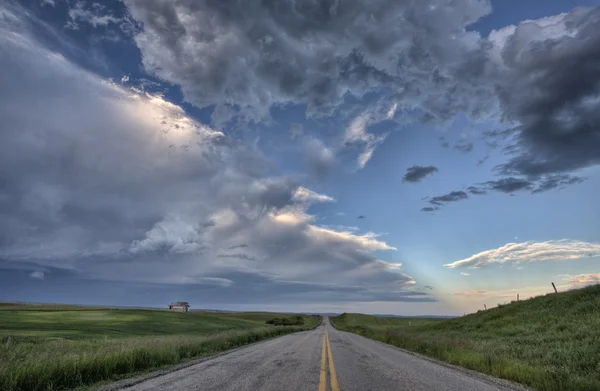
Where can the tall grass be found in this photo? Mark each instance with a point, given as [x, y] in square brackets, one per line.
[550, 343]
[30, 361]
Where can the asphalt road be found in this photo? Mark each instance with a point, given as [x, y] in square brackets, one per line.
[323, 359]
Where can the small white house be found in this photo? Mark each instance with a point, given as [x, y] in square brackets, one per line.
[179, 306]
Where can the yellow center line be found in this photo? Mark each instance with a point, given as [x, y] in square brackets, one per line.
[334, 382]
[323, 379]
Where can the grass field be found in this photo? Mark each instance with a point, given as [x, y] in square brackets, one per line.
[550, 342]
[47, 347]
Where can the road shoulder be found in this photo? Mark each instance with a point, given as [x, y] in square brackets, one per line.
[496, 381]
[132, 381]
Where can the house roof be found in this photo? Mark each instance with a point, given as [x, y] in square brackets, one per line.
[180, 303]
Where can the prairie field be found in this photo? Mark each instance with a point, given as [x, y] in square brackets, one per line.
[53, 347]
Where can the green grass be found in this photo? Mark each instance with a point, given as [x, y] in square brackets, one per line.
[61, 347]
[550, 343]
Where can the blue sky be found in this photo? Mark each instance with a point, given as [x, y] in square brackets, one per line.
[301, 157]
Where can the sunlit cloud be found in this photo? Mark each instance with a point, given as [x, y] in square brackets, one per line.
[582, 280]
[112, 183]
[367, 242]
[515, 253]
[303, 194]
[357, 134]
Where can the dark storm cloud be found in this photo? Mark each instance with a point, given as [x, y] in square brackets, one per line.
[415, 174]
[430, 209]
[315, 53]
[551, 87]
[548, 85]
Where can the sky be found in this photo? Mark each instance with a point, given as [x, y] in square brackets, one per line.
[381, 156]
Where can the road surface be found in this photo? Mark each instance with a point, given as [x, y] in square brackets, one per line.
[323, 359]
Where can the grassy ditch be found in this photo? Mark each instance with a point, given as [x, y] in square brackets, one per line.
[296, 320]
[550, 343]
[50, 349]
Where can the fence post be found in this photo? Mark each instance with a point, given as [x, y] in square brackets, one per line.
[554, 286]
[8, 341]
[485, 306]
[517, 297]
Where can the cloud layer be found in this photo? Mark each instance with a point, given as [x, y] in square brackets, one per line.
[110, 183]
[516, 253]
[539, 76]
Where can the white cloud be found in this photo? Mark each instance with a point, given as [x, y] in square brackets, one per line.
[179, 236]
[515, 253]
[97, 15]
[37, 275]
[305, 195]
[341, 227]
[472, 292]
[366, 242]
[582, 280]
[464, 274]
[124, 79]
[392, 111]
[356, 134]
